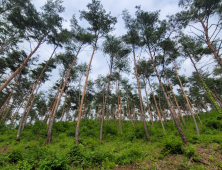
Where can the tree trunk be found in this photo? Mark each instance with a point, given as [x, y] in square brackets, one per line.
[205, 107]
[168, 103]
[140, 96]
[209, 94]
[21, 66]
[148, 105]
[194, 120]
[9, 97]
[196, 113]
[160, 118]
[67, 110]
[10, 108]
[175, 99]
[49, 135]
[208, 42]
[83, 94]
[63, 109]
[163, 114]
[107, 93]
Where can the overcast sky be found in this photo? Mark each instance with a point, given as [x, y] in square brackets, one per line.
[99, 64]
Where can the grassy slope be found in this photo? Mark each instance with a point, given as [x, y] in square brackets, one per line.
[165, 151]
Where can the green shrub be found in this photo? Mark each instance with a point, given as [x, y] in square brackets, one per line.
[39, 128]
[129, 156]
[71, 133]
[77, 157]
[173, 145]
[15, 156]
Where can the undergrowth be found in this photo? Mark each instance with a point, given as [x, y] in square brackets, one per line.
[115, 149]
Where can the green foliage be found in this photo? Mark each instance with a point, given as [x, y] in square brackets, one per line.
[129, 156]
[30, 152]
[15, 156]
[190, 151]
[173, 145]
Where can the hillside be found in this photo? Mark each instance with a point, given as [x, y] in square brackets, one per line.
[127, 151]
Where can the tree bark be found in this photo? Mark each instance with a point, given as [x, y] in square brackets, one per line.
[83, 94]
[168, 102]
[194, 120]
[175, 99]
[148, 105]
[208, 42]
[140, 96]
[63, 109]
[209, 94]
[21, 66]
[9, 97]
[154, 98]
[49, 135]
[107, 93]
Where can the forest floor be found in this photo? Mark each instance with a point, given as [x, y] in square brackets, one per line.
[119, 152]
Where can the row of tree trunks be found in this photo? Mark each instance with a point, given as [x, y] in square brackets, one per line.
[28, 105]
[140, 96]
[154, 98]
[181, 86]
[178, 107]
[83, 94]
[168, 102]
[49, 135]
[106, 96]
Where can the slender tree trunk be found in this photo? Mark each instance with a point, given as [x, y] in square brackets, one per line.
[67, 111]
[63, 108]
[21, 66]
[154, 98]
[83, 94]
[195, 112]
[208, 42]
[97, 114]
[140, 96]
[9, 97]
[134, 114]
[163, 114]
[107, 93]
[148, 105]
[120, 114]
[194, 120]
[49, 135]
[168, 102]
[20, 105]
[30, 107]
[205, 107]
[209, 94]
[10, 108]
[175, 99]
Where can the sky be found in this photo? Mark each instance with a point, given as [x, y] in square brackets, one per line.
[99, 63]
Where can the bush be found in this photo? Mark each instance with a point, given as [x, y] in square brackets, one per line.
[173, 145]
[214, 124]
[190, 151]
[15, 156]
[129, 156]
[77, 157]
[39, 128]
